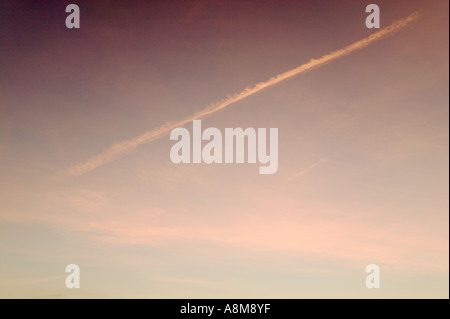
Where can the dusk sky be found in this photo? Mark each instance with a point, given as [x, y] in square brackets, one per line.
[363, 150]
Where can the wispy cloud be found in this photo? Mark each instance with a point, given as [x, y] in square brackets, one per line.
[305, 171]
[121, 148]
[342, 238]
[30, 280]
[184, 280]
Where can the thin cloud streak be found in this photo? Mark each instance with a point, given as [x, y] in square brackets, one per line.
[342, 238]
[305, 171]
[184, 281]
[121, 148]
[30, 280]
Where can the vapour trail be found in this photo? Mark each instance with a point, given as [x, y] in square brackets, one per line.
[121, 148]
[306, 170]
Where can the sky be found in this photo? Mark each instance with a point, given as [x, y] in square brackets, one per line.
[363, 150]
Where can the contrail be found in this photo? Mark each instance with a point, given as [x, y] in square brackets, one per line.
[116, 150]
[306, 170]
